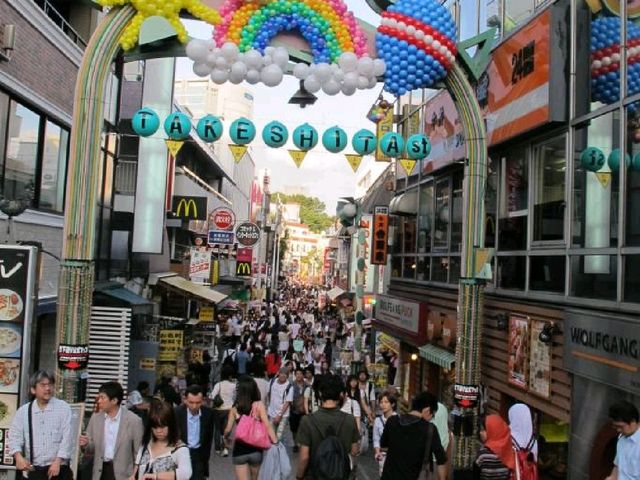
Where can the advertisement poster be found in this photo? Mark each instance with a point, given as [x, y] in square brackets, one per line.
[170, 345]
[539, 362]
[199, 265]
[518, 350]
[17, 286]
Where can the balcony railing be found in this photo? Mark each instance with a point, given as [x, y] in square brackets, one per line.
[61, 22]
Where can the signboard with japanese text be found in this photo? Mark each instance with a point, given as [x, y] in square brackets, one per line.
[171, 342]
[206, 313]
[380, 240]
[18, 266]
[199, 264]
[222, 218]
[220, 237]
[244, 254]
[248, 234]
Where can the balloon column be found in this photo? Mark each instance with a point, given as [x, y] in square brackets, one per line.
[416, 39]
[169, 9]
[605, 60]
[240, 49]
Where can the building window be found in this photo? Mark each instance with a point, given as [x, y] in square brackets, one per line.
[33, 155]
[595, 194]
[442, 215]
[594, 276]
[425, 218]
[491, 204]
[632, 224]
[517, 12]
[549, 200]
[512, 223]
[547, 273]
[631, 279]
[512, 272]
[456, 212]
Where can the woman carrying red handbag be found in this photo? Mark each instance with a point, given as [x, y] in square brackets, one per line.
[254, 433]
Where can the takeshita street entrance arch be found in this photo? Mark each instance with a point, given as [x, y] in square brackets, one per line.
[77, 266]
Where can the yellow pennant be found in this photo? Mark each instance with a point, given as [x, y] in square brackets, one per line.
[238, 151]
[594, 5]
[174, 146]
[298, 156]
[408, 165]
[354, 161]
[604, 178]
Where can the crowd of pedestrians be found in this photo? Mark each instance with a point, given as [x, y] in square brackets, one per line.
[272, 374]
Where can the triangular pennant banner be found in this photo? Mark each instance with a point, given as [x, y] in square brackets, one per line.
[238, 151]
[408, 165]
[354, 161]
[174, 146]
[594, 5]
[477, 64]
[604, 178]
[298, 156]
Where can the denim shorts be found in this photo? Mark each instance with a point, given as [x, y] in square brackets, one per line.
[254, 458]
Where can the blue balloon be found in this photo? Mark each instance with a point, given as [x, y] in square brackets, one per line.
[305, 137]
[177, 126]
[592, 159]
[364, 142]
[145, 122]
[334, 139]
[418, 147]
[275, 134]
[242, 131]
[392, 143]
[614, 160]
[209, 128]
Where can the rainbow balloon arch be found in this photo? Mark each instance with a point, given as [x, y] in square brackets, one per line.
[416, 44]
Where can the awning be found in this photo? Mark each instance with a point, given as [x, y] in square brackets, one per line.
[126, 296]
[335, 292]
[202, 292]
[438, 355]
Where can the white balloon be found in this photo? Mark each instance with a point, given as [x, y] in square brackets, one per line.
[269, 50]
[221, 63]
[312, 84]
[300, 71]
[211, 59]
[197, 50]
[338, 75]
[331, 87]
[229, 51]
[253, 76]
[348, 90]
[253, 59]
[363, 83]
[350, 79]
[373, 81]
[236, 77]
[365, 66]
[267, 60]
[201, 69]
[323, 72]
[281, 57]
[219, 76]
[239, 69]
[379, 67]
[271, 75]
[348, 61]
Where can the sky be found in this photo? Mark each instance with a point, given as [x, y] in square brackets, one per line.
[324, 175]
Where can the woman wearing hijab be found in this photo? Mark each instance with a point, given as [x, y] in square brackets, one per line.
[496, 459]
[521, 425]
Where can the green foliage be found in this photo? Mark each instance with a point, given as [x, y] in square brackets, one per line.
[312, 211]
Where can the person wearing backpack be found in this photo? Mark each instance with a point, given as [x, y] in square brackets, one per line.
[524, 442]
[280, 398]
[496, 459]
[411, 442]
[327, 437]
[300, 404]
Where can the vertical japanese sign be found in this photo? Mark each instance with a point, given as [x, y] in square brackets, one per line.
[384, 126]
[170, 345]
[17, 304]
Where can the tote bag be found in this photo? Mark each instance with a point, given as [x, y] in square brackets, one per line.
[251, 431]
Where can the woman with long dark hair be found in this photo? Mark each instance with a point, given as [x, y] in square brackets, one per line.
[246, 458]
[351, 401]
[162, 456]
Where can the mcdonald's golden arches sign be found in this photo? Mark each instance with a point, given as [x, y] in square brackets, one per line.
[190, 208]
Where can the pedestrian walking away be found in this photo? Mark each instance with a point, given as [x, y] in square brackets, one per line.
[496, 459]
[222, 401]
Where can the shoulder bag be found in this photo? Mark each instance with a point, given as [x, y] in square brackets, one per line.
[251, 431]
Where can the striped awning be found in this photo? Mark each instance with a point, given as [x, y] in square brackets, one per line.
[438, 355]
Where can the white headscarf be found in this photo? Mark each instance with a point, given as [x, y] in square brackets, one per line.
[522, 426]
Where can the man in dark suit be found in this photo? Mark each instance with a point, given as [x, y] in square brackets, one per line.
[196, 430]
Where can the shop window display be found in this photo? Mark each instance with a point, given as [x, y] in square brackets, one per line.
[596, 189]
[440, 269]
[513, 208]
[549, 200]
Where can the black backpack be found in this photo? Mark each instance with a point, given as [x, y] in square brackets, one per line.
[330, 461]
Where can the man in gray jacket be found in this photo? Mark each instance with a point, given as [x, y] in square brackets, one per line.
[114, 435]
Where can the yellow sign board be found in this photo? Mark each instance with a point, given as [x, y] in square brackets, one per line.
[354, 161]
[604, 178]
[408, 165]
[206, 314]
[384, 126]
[174, 146]
[298, 156]
[170, 345]
[148, 364]
[238, 151]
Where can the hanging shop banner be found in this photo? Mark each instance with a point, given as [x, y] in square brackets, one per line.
[244, 254]
[539, 362]
[466, 396]
[384, 126]
[603, 348]
[518, 351]
[380, 239]
[73, 357]
[17, 288]
[170, 345]
[222, 237]
[444, 129]
[190, 208]
[248, 234]
[402, 318]
[206, 313]
[199, 264]
[222, 218]
[525, 83]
